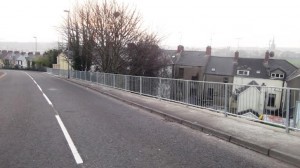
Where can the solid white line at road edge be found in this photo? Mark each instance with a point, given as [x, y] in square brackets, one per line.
[73, 148]
[69, 140]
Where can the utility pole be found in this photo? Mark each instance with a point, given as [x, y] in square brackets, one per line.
[35, 43]
[68, 45]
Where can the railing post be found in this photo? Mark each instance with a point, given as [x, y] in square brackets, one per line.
[114, 80]
[97, 77]
[141, 85]
[226, 99]
[287, 114]
[80, 75]
[90, 76]
[159, 89]
[187, 92]
[104, 82]
[125, 82]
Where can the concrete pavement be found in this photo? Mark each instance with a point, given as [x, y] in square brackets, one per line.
[268, 140]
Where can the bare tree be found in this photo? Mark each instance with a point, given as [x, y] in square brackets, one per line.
[100, 33]
[116, 25]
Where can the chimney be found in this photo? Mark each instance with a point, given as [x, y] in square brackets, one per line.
[208, 50]
[267, 56]
[236, 57]
[180, 49]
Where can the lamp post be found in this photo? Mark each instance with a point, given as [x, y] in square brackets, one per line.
[68, 45]
[35, 43]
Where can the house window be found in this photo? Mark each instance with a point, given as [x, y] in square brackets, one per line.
[276, 75]
[243, 72]
[271, 100]
[181, 72]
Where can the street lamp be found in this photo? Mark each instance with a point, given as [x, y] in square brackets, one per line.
[68, 45]
[35, 43]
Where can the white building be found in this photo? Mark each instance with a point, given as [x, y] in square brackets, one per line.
[257, 84]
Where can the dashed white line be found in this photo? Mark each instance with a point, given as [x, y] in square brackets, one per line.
[69, 140]
[73, 148]
[49, 102]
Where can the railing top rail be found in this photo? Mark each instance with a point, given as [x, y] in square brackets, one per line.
[200, 82]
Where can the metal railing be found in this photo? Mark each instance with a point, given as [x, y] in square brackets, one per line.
[278, 106]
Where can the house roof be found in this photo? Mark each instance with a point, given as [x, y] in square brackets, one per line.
[8, 56]
[220, 66]
[284, 65]
[242, 89]
[192, 58]
[257, 68]
[294, 75]
[15, 56]
[169, 55]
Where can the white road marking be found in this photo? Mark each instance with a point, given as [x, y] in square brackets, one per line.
[39, 88]
[73, 148]
[69, 140]
[49, 102]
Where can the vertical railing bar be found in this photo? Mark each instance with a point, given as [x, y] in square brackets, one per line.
[287, 114]
[140, 85]
[225, 102]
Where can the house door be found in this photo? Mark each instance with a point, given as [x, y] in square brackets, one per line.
[271, 100]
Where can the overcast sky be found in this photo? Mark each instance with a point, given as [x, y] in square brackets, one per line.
[192, 23]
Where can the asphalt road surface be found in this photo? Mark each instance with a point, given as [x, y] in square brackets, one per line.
[49, 122]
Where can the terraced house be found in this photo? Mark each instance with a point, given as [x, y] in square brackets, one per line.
[252, 84]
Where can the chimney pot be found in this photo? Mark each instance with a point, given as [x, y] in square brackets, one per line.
[180, 48]
[208, 50]
[236, 56]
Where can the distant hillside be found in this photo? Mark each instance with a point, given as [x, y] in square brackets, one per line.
[27, 46]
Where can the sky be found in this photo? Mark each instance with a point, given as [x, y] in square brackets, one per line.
[192, 23]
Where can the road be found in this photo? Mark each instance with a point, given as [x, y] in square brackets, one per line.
[49, 122]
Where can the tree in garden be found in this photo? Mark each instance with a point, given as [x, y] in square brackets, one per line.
[145, 58]
[49, 57]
